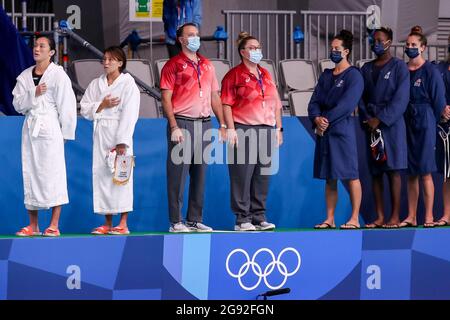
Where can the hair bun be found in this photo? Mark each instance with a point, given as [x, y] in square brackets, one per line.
[346, 35]
[242, 35]
[417, 29]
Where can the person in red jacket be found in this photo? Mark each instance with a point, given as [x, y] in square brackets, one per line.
[252, 108]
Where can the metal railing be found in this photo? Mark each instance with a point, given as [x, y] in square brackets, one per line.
[34, 21]
[66, 32]
[321, 26]
[25, 21]
[160, 41]
[274, 29]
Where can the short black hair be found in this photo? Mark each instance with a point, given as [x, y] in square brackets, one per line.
[387, 31]
[180, 29]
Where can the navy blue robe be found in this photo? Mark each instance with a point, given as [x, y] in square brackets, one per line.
[440, 152]
[427, 101]
[15, 56]
[335, 98]
[387, 100]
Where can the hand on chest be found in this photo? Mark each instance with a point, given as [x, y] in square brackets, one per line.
[113, 93]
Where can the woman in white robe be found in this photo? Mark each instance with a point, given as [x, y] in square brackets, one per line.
[44, 94]
[112, 102]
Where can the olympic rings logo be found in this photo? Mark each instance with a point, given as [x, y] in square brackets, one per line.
[258, 270]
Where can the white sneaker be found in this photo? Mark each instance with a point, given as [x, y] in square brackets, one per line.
[265, 226]
[178, 227]
[198, 227]
[247, 226]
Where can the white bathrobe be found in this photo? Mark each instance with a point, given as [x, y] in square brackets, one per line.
[50, 118]
[112, 126]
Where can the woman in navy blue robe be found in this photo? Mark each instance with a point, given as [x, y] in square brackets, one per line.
[330, 110]
[425, 108]
[443, 143]
[384, 101]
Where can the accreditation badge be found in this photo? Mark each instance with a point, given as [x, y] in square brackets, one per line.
[123, 168]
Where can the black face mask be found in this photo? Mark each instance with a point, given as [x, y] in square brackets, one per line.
[449, 48]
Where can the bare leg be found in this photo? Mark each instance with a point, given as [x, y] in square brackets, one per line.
[56, 213]
[428, 197]
[123, 220]
[413, 198]
[33, 214]
[395, 184]
[355, 198]
[108, 220]
[331, 196]
[446, 195]
[378, 190]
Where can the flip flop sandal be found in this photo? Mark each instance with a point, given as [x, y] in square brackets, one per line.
[373, 226]
[327, 226]
[349, 226]
[445, 223]
[391, 226]
[407, 224]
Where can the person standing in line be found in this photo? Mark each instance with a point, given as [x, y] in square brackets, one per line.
[330, 110]
[252, 108]
[189, 90]
[381, 109]
[426, 106]
[44, 94]
[443, 143]
[112, 101]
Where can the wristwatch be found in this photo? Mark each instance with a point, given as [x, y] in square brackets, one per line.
[223, 126]
[280, 129]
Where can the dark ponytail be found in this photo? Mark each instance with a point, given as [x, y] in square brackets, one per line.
[347, 40]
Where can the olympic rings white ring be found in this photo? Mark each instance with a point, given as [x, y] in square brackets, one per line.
[257, 270]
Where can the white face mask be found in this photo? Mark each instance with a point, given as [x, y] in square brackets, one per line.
[255, 56]
[193, 43]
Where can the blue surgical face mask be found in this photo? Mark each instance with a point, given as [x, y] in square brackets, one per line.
[336, 56]
[378, 49]
[255, 56]
[412, 52]
[193, 43]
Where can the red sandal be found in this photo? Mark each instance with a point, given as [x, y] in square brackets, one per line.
[101, 230]
[50, 232]
[27, 232]
[119, 231]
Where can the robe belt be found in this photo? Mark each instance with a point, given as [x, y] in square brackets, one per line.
[444, 134]
[34, 120]
[97, 120]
